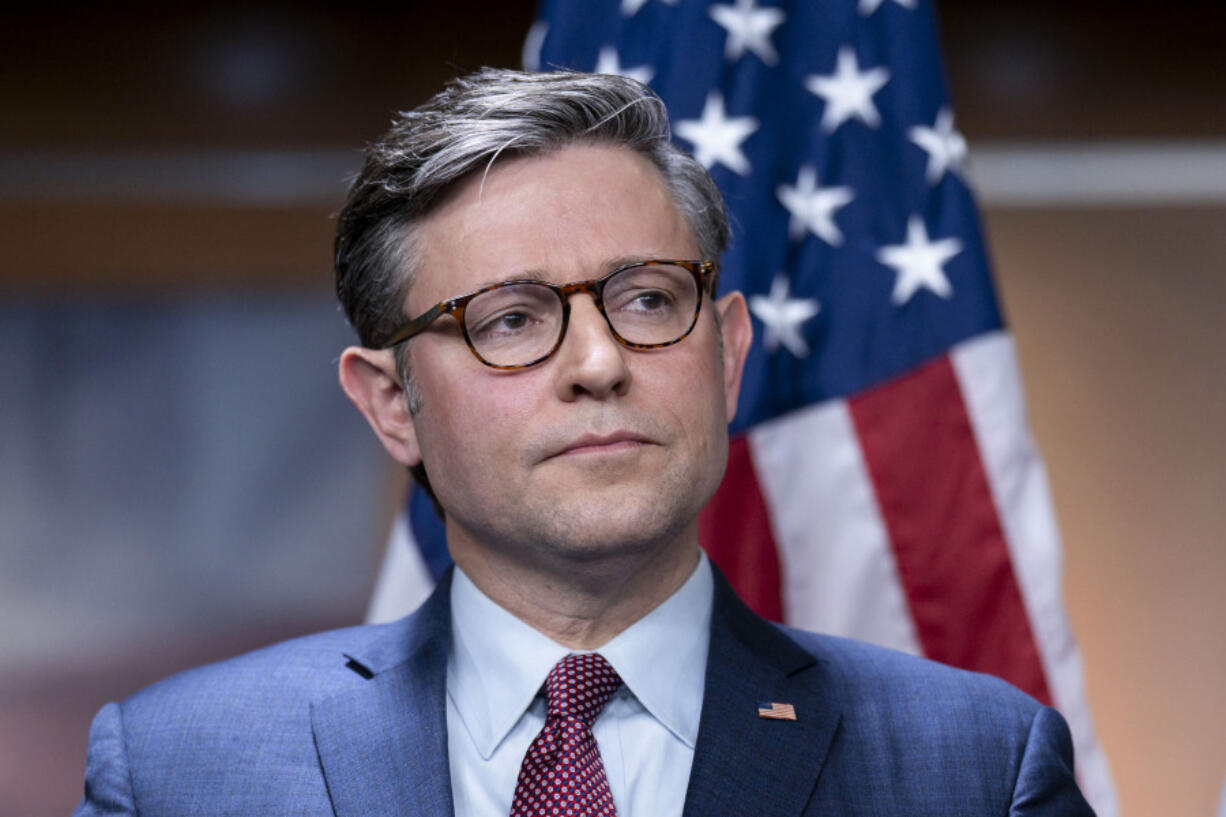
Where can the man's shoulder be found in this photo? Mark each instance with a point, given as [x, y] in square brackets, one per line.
[894, 683]
[277, 687]
[246, 730]
[279, 677]
[894, 733]
[884, 693]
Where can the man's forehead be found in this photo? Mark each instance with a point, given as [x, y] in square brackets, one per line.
[535, 216]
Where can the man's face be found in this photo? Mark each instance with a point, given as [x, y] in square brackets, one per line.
[600, 449]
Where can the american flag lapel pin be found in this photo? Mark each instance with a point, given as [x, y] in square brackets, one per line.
[776, 711]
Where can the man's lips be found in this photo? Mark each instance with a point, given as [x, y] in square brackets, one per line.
[601, 444]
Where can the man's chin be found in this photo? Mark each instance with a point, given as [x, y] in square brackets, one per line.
[616, 523]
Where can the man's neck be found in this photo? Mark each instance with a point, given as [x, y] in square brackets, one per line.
[580, 605]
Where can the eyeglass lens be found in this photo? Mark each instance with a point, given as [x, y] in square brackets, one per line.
[519, 323]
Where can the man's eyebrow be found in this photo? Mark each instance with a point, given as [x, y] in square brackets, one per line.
[625, 260]
[542, 274]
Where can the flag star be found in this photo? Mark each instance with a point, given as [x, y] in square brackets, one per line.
[867, 7]
[631, 7]
[782, 317]
[607, 62]
[717, 137]
[945, 146]
[812, 208]
[748, 28]
[919, 262]
[848, 91]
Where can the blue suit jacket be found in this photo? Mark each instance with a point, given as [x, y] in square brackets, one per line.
[352, 723]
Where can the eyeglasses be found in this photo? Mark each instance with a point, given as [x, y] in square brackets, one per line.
[515, 324]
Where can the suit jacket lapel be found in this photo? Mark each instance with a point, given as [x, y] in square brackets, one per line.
[383, 746]
[745, 764]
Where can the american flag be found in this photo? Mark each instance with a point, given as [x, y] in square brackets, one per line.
[882, 482]
[776, 711]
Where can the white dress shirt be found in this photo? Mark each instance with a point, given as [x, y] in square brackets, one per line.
[646, 733]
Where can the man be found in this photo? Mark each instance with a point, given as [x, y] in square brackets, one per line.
[531, 268]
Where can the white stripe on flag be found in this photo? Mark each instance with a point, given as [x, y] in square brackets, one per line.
[839, 573]
[991, 386]
[404, 582]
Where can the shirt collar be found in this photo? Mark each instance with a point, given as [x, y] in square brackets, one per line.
[498, 663]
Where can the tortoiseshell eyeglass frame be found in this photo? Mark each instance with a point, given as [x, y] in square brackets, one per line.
[705, 278]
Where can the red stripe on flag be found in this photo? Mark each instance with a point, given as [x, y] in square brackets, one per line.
[735, 532]
[952, 557]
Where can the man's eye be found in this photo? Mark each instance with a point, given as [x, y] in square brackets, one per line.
[646, 300]
[512, 320]
[651, 301]
[504, 323]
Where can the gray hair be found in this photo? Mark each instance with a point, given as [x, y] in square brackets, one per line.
[466, 127]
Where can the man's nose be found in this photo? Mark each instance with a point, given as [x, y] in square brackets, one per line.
[591, 362]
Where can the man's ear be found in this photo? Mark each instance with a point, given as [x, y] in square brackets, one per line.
[738, 335]
[370, 379]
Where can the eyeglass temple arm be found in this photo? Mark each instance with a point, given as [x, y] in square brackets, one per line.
[418, 324]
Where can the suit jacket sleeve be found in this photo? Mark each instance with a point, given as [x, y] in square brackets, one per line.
[108, 783]
[1045, 781]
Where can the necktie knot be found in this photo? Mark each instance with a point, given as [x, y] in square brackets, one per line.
[579, 686]
[562, 774]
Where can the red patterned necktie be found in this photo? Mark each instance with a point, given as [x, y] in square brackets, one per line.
[562, 773]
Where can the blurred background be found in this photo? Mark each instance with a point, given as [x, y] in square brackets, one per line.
[181, 478]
